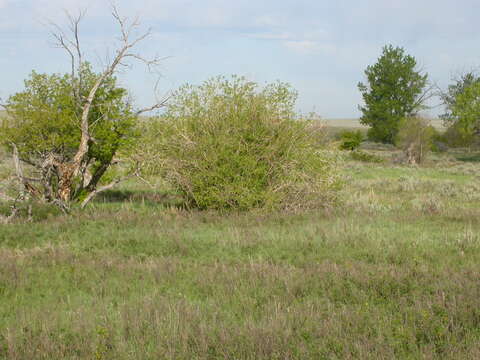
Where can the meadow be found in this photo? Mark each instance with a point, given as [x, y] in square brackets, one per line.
[390, 273]
[355, 123]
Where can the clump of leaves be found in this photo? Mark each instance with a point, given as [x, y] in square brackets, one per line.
[229, 144]
[350, 140]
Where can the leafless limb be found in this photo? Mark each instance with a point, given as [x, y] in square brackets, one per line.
[60, 173]
[426, 95]
[106, 187]
[157, 105]
[24, 182]
[71, 45]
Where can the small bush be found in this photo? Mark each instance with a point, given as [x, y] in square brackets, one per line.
[456, 138]
[415, 139]
[227, 144]
[363, 156]
[350, 140]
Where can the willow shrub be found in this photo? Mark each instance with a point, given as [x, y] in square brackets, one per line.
[230, 144]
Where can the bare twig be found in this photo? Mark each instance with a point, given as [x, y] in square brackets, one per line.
[156, 106]
[59, 170]
[106, 187]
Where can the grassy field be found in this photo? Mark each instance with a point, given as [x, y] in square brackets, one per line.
[393, 273]
[355, 123]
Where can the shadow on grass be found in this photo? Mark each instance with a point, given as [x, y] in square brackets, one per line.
[42, 211]
[145, 197]
[469, 158]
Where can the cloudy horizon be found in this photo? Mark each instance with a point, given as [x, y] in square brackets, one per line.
[320, 47]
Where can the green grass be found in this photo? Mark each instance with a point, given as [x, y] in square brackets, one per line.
[355, 123]
[392, 273]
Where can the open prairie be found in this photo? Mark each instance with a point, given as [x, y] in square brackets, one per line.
[391, 273]
[165, 192]
[355, 123]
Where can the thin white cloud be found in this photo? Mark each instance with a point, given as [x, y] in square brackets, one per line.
[302, 46]
[220, 36]
[271, 36]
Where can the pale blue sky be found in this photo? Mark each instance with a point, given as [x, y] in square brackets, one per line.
[320, 47]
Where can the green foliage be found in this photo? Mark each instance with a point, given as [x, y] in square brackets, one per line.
[44, 119]
[460, 115]
[390, 269]
[415, 138]
[363, 156]
[466, 110]
[228, 144]
[394, 90]
[455, 137]
[449, 98]
[350, 140]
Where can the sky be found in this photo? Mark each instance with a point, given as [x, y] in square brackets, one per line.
[320, 47]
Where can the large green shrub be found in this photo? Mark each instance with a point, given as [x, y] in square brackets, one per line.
[229, 144]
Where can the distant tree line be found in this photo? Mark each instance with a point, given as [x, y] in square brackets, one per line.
[396, 92]
[226, 144]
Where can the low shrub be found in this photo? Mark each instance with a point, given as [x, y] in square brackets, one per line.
[350, 140]
[454, 137]
[363, 156]
[415, 139]
[229, 144]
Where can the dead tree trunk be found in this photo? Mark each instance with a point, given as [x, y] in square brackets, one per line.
[74, 171]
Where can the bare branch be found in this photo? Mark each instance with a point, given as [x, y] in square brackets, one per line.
[156, 106]
[74, 28]
[121, 53]
[16, 161]
[101, 189]
[57, 172]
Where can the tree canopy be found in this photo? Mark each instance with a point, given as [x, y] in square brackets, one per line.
[462, 113]
[45, 117]
[465, 110]
[43, 123]
[395, 89]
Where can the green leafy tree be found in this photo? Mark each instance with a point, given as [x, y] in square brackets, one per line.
[395, 89]
[69, 129]
[462, 115]
[466, 110]
[43, 124]
[230, 144]
[449, 97]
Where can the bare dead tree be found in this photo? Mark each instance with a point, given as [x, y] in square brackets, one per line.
[128, 42]
[58, 175]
